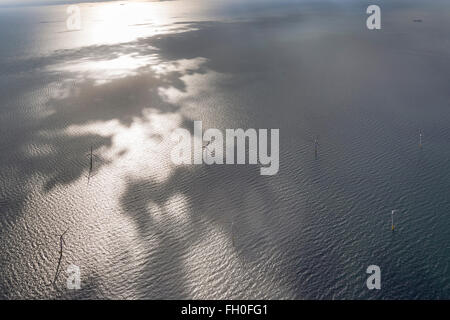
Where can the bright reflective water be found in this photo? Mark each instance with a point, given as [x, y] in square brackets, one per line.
[146, 228]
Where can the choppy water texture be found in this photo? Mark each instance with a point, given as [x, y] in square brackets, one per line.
[146, 228]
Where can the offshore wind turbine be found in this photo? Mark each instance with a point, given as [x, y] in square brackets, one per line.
[316, 146]
[232, 234]
[392, 219]
[91, 156]
[91, 165]
[420, 138]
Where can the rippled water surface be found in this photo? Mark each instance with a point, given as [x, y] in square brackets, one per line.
[144, 227]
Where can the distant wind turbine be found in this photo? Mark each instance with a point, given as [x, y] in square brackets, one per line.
[232, 235]
[91, 164]
[392, 216]
[420, 138]
[316, 146]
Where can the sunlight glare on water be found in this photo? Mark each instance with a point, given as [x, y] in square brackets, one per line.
[140, 226]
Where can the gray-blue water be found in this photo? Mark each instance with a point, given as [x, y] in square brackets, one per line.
[146, 228]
